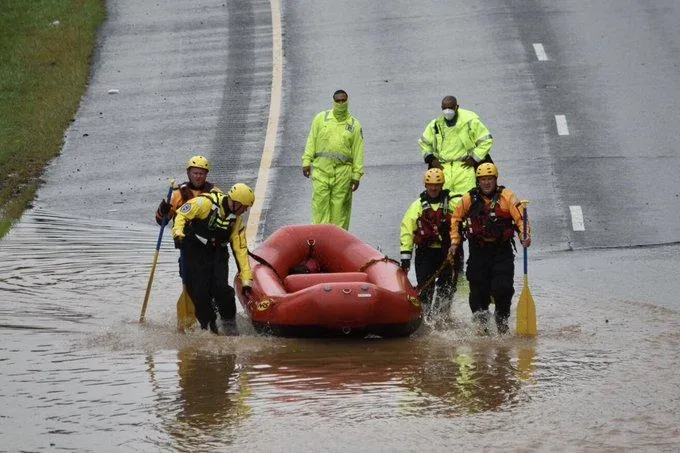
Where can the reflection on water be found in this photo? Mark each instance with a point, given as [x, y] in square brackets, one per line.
[389, 378]
[210, 403]
[470, 381]
[80, 374]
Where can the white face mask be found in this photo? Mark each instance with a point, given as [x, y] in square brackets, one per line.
[449, 113]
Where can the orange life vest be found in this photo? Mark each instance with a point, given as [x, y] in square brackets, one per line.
[488, 222]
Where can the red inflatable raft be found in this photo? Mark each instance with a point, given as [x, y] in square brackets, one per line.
[352, 290]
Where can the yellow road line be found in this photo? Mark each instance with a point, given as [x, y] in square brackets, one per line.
[255, 215]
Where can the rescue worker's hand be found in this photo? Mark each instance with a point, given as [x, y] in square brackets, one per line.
[164, 208]
[354, 185]
[306, 171]
[179, 240]
[469, 162]
[525, 242]
[247, 291]
[406, 265]
[434, 163]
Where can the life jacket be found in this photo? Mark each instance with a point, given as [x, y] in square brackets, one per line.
[433, 225]
[488, 223]
[216, 229]
[188, 193]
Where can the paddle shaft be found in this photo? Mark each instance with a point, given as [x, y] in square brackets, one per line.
[524, 234]
[155, 258]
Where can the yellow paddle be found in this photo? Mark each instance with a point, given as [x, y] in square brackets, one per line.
[526, 309]
[155, 257]
[186, 312]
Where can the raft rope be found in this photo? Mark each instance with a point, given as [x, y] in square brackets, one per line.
[379, 260]
[430, 281]
[261, 260]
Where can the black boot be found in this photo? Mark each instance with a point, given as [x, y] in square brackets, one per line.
[501, 324]
[229, 327]
[481, 321]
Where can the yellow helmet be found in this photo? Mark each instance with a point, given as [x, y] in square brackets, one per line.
[434, 176]
[242, 193]
[487, 169]
[199, 162]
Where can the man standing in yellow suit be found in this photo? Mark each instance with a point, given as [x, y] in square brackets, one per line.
[457, 142]
[334, 157]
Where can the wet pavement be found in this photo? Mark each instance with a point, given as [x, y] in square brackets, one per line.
[79, 373]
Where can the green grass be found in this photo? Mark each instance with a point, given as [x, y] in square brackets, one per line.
[45, 51]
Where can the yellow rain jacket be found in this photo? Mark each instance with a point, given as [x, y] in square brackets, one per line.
[208, 218]
[451, 145]
[183, 193]
[409, 223]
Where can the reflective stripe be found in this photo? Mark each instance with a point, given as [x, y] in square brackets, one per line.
[424, 140]
[337, 156]
[483, 139]
[460, 159]
[405, 256]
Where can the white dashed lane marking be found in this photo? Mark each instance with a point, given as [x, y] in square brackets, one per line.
[562, 128]
[540, 52]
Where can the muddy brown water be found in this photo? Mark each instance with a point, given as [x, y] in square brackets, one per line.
[79, 373]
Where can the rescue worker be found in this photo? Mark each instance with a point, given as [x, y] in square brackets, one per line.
[456, 141]
[334, 157]
[489, 216]
[197, 172]
[203, 228]
[427, 225]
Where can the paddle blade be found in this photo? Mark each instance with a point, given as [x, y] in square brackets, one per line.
[526, 312]
[186, 312]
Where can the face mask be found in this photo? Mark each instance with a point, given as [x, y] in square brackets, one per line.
[340, 110]
[340, 107]
[449, 113]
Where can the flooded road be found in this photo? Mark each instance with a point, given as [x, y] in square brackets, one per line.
[80, 374]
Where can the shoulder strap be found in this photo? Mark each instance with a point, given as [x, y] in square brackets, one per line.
[496, 196]
[445, 201]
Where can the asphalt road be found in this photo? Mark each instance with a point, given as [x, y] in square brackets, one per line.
[197, 80]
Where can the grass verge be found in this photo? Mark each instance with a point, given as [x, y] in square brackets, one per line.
[45, 52]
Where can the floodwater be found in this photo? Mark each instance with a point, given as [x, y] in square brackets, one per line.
[79, 373]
